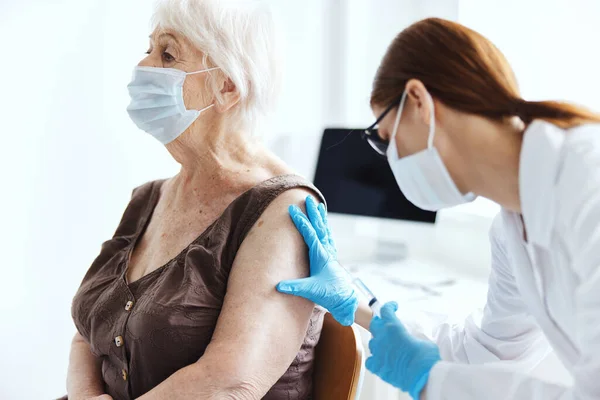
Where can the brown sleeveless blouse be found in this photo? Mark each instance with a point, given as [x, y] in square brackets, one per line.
[149, 329]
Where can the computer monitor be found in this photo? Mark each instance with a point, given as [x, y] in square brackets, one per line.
[356, 180]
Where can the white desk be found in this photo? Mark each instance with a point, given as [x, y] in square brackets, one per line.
[423, 286]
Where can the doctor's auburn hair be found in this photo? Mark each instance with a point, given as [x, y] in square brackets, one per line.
[465, 71]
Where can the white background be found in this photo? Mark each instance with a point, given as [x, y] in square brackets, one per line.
[70, 156]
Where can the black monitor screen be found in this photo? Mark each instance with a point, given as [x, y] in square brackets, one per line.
[356, 180]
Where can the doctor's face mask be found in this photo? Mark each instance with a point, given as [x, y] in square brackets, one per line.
[422, 176]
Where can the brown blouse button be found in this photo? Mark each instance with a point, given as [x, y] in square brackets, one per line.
[129, 305]
[124, 374]
[119, 341]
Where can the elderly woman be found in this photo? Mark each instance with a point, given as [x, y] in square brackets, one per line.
[181, 302]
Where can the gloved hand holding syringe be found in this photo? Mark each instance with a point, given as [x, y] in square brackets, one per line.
[396, 356]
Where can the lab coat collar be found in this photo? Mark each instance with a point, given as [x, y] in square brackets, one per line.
[538, 170]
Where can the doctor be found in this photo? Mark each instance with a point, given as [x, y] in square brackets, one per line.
[453, 126]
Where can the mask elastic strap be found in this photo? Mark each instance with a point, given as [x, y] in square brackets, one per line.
[431, 124]
[398, 113]
[206, 108]
[201, 71]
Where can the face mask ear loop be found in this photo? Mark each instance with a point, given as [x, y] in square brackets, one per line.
[201, 71]
[431, 123]
[206, 108]
[397, 122]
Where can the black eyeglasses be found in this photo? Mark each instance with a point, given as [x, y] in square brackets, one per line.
[371, 134]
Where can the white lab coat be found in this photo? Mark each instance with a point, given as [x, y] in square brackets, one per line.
[542, 292]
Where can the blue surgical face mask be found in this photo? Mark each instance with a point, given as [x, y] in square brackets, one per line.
[157, 105]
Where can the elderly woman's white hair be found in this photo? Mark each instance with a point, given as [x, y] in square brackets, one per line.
[239, 37]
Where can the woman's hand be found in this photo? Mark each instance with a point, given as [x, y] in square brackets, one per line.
[329, 284]
[101, 397]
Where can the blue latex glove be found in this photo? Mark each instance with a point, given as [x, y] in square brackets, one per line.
[397, 357]
[329, 285]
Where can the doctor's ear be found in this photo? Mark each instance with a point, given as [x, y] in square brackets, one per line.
[420, 97]
[229, 96]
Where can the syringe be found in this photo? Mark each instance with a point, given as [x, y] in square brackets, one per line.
[374, 304]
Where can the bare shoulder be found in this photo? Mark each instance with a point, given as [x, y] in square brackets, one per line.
[275, 219]
[274, 250]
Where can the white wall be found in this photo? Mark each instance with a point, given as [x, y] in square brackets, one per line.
[551, 44]
[358, 34]
[69, 161]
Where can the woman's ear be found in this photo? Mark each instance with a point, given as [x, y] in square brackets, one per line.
[421, 98]
[229, 96]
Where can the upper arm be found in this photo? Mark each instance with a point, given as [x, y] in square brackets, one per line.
[504, 302]
[506, 330]
[260, 331]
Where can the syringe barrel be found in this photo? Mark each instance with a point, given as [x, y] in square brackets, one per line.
[374, 304]
[363, 289]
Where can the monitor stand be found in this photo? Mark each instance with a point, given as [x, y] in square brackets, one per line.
[389, 247]
[389, 252]
[369, 240]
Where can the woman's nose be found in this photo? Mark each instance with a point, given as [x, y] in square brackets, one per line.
[151, 60]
